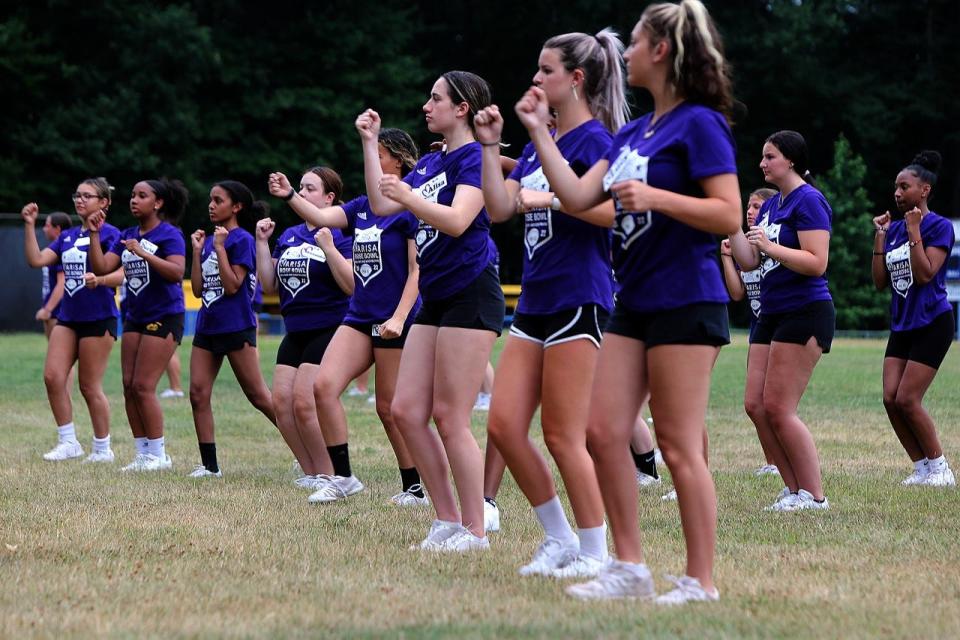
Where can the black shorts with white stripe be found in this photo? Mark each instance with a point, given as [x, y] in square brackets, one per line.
[585, 322]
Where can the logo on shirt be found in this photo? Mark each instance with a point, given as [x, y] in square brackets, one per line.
[135, 269]
[900, 268]
[538, 223]
[362, 215]
[367, 258]
[74, 263]
[422, 171]
[293, 267]
[426, 235]
[431, 189]
[212, 285]
[751, 282]
[629, 165]
[768, 264]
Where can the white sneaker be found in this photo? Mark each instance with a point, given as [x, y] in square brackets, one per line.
[155, 463]
[617, 580]
[805, 501]
[137, 464]
[438, 534]
[657, 456]
[336, 488]
[784, 502]
[917, 477]
[463, 541]
[491, 515]
[551, 555]
[644, 480]
[409, 498]
[670, 497]
[582, 567]
[64, 451]
[171, 393]
[310, 482]
[100, 456]
[482, 403]
[202, 472]
[372, 399]
[687, 589]
[942, 477]
[767, 470]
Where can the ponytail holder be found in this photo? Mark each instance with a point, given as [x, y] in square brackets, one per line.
[806, 174]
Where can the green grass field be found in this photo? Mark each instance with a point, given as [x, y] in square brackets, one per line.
[88, 551]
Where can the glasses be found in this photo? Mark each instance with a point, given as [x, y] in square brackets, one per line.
[84, 196]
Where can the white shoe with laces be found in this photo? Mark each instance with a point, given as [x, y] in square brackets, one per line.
[463, 541]
[64, 451]
[409, 498]
[767, 470]
[336, 488]
[491, 515]
[105, 457]
[438, 534]
[311, 482]
[645, 480]
[202, 472]
[582, 567]
[805, 502]
[155, 463]
[551, 555]
[617, 580]
[917, 477]
[171, 393]
[687, 589]
[670, 497]
[137, 464]
[942, 477]
[784, 501]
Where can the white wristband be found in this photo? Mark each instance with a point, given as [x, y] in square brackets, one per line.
[555, 205]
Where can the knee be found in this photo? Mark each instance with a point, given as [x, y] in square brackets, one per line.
[905, 403]
[385, 413]
[89, 389]
[601, 439]
[141, 389]
[325, 390]
[559, 442]
[775, 411]
[304, 408]
[54, 380]
[447, 419]
[199, 396]
[499, 428]
[754, 408]
[402, 414]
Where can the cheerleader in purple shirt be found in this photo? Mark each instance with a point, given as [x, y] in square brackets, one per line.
[790, 245]
[910, 252]
[672, 175]
[551, 352]
[226, 326]
[53, 280]
[446, 352]
[152, 255]
[311, 269]
[374, 329]
[86, 323]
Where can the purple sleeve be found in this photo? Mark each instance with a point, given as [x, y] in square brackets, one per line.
[410, 225]
[940, 235]
[422, 162]
[813, 213]
[118, 246]
[57, 245]
[242, 252]
[710, 147]
[345, 246]
[350, 210]
[173, 244]
[468, 171]
[518, 170]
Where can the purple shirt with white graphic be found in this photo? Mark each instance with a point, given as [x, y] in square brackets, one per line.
[310, 297]
[222, 312]
[781, 288]
[81, 304]
[150, 296]
[449, 264]
[916, 305]
[661, 263]
[566, 261]
[49, 275]
[380, 264]
[751, 285]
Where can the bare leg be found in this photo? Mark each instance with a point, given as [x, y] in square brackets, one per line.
[204, 367]
[61, 354]
[916, 379]
[757, 359]
[173, 372]
[305, 416]
[94, 354]
[129, 345]
[245, 363]
[152, 357]
[283, 380]
[388, 366]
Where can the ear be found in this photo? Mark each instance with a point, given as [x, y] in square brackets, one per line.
[159, 204]
[577, 77]
[462, 110]
[661, 50]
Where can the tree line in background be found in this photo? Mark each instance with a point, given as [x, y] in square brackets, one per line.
[208, 89]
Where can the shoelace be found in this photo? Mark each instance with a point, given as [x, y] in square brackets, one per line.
[613, 580]
[687, 587]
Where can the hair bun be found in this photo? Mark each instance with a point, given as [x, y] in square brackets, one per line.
[929, 160]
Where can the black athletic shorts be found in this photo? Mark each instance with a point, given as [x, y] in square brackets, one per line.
[165, 326]
[583, 322]
[703, 323]
[93, 328]
[927, 345]
[372, 330]
[479, 305]
[304, 347]
[815, 320]
[220, 344]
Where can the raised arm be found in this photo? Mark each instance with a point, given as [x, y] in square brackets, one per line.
[100, 263]
[31, 248]
[731, 277]
[197, 238]
[499, 195]
[746, 254]
[56, 295]
[340, 267]
[266, 265]
[452, 220]
[232, 276]
[878, 265]
[333, 217]
[925, 262]
[718, 212]
[368, 126]
[810, 259]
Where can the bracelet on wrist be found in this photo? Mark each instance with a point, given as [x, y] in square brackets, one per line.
[913, 243]
[880, 230]
[879, 253]
[490, 144]
[289, 196]
[555, 203]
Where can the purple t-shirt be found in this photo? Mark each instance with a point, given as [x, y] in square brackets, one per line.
[222, 312]
[751, 284]
[380, 265]
[150, 296]
[449, 264]
[79, 303]
[781, 288]
[661, 263]
[310, 297]
[914, 305]
[48, 285]
[566, 262]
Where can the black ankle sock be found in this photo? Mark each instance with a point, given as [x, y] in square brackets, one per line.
[646, 462]
[208, 456]
[410, 477]
[491, 501]
[340, 457]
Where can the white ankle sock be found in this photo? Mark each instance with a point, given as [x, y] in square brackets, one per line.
[937, 464]
[155, 447]
[101, 445]
[593, 542]
[141, 444]
[921, 466]
[67, 433]
[554, 520]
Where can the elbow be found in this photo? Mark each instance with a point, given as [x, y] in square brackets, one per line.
[731, 221]
[498, 215]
